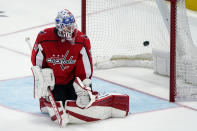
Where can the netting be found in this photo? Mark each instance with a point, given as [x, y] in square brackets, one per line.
[130, 29]
[120, 28]
[186, 57]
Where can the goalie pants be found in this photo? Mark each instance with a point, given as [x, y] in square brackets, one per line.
[61, 93]
[64, 92]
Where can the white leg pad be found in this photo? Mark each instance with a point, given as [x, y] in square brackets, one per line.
[45, 106]
[111, 105]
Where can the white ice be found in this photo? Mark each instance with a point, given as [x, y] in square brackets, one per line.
[35, 15]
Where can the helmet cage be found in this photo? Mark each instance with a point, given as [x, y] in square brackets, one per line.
[65, 23]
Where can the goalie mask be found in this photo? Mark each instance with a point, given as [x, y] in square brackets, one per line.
[65, 24]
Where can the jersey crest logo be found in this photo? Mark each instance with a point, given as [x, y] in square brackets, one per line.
[62, 61]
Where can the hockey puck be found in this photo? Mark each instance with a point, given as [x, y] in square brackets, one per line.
[146, 43]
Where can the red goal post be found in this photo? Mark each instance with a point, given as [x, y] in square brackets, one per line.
[173, 51]
[122, 30]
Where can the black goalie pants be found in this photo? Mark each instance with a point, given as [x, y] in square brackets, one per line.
[64, 92]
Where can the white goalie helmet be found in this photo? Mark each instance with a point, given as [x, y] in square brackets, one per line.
[65, 24]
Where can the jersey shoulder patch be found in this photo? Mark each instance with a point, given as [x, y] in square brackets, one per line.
[47, 31]
[46, 35]
[42, 32]
[85, 36]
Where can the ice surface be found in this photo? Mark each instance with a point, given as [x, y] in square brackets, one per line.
[27, 18]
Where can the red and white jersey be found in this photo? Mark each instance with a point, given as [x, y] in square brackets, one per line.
[68, 60]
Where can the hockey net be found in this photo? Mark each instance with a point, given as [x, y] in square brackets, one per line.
[125, 32]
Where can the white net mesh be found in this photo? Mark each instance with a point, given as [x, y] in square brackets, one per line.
[118, 29]
[186, 58]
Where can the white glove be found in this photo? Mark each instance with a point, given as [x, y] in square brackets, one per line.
[43, 78]
[87, 83]
[83, 99]
[85, 96]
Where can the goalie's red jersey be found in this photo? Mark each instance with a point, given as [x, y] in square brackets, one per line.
[68, 60]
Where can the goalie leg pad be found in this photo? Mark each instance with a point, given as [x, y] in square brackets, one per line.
[120, 107]
[110, 105]
[43, 105]
[46, 107]
[61, 111]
